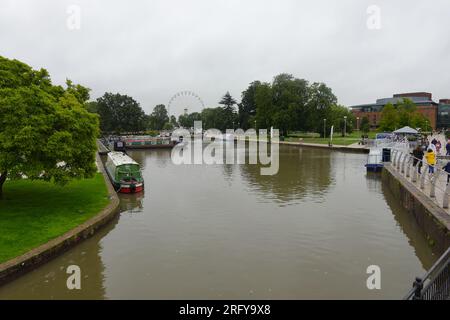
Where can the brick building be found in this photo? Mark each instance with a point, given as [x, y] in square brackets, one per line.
[437, 113]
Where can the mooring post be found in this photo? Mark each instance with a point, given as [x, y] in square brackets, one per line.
[434, 179]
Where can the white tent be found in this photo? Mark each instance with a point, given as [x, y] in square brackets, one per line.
[406, 130]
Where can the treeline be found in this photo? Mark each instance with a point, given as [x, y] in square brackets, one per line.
[404, 113]
[287, 103]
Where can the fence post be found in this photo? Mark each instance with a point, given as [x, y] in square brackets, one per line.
[423, 176]
[418, 286]
[408, 167]
[435, 177]
[446, 196]
[394, 155]
[405, 158]
[415, 172]
[399, 160]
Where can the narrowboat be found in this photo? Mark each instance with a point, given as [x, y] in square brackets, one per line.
[147, 142]
[124, 172]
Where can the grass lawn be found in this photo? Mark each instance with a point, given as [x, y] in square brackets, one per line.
[34, 212]
[354, 137]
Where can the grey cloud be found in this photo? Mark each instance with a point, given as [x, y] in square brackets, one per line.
[153, 49]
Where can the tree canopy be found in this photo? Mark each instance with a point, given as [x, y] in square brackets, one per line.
[120, 113]
[287, 104]
[46, 131]
[404, 113]
[159, 118]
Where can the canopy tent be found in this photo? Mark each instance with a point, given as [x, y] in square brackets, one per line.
[406, 130]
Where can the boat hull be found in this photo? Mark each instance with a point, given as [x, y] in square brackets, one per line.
[375, 167]
[129, 188]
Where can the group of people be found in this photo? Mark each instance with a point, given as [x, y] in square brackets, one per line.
[428, 153]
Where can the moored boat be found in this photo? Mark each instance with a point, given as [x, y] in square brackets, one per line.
[124, 172]
[147, 142]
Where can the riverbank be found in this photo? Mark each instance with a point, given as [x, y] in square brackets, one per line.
[350, 148]
[38, 220]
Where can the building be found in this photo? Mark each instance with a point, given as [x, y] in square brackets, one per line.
[444, 114]
[437, 113]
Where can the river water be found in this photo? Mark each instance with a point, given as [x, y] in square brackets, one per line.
[227, 232]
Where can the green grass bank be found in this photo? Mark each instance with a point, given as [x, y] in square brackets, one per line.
[34, 212]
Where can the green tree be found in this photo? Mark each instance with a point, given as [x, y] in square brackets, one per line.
[365, 124]
[159, 117]
[46, 131]
[389, 118]
[120, 113]
[340, 117]
[229, 112]
[173, 121]
[293, 104]
[247, 107]
[264, 106]
[214, 118]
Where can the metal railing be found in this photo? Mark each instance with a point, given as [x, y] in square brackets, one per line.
[407, 165]
[435, 285]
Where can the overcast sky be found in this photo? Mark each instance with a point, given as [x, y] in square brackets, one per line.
[153, 49]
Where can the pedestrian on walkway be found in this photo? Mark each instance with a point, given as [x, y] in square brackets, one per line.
[418, 157]
[432, 145]
[447, 148]
[446, 168]
[430, 156]
[438, 147]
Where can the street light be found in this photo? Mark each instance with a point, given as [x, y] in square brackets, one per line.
[357, 123]
[324, 128]
[345, 125]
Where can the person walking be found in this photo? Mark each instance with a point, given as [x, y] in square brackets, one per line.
[446, 168]
[438, 147]
[430, 157]
[447, 148]
[418, 157]
[432, 145]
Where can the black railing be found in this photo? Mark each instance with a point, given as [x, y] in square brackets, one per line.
[435, 285]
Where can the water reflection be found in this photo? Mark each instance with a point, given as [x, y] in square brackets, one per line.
[302, 175]
[407, 223]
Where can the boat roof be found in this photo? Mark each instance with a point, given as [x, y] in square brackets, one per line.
[120, 158]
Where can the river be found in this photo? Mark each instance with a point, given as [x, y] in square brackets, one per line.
[227, 232]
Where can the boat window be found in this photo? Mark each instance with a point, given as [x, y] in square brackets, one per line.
[127, 172]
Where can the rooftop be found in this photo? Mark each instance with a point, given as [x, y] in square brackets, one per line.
[120, 158]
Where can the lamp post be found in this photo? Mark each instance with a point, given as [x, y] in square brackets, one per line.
[345, 126]
[357, 123]
[324, 128]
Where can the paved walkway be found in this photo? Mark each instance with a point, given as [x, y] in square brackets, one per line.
[441, 183]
